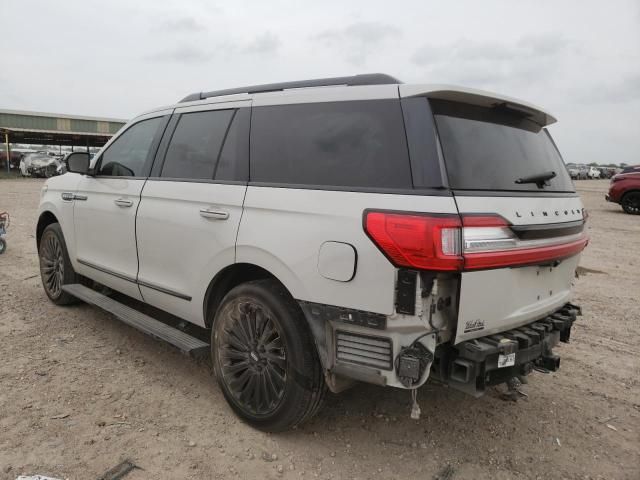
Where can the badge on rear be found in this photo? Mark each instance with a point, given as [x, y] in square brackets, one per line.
[473, 326]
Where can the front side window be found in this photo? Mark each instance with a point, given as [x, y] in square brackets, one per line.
[196, 143]
[341, 144]
[128, 155]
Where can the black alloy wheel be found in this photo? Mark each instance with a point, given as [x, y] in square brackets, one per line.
[264, 357]
[55, 267]
[253, 359]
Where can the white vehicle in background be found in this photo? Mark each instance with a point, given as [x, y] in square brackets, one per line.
[39, 165]
[323, 234]
[593, 173]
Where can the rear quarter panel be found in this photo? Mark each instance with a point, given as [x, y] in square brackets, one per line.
[283, 229]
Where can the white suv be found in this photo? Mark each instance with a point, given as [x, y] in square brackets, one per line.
[326, 232]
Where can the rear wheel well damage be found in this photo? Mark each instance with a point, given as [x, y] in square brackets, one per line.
[236, 274]
[228, 278]
[46, 219]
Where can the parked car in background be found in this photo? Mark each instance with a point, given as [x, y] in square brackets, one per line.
[16, 157]
[574, 173]
[593, 173]
[631, 169]
[39, 165]
[625, 190]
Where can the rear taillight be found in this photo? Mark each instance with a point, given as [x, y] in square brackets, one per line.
[446, 243]
[425, 242]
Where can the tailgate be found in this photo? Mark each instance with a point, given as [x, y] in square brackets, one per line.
[497, 299]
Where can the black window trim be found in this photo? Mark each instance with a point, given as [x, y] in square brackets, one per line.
[153, 149]
[433, 192]
[414, 159]
[161, 153]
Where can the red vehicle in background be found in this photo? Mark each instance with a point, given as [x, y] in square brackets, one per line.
[625, 190]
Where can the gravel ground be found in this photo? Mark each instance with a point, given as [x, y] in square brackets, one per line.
[80, 391]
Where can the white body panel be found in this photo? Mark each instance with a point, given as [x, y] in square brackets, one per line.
[283, 229]
[105, 231]
[51, 201]
[506, 298]
[180, 250]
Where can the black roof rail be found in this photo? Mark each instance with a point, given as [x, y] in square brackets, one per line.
[355, 80]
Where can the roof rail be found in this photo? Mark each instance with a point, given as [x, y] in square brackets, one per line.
[355, 80]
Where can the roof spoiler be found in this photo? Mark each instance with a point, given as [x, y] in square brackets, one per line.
[480, 98]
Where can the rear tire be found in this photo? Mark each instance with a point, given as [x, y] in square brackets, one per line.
[264, 357]
[55, 267]
[631, 203]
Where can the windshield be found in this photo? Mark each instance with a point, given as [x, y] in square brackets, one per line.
[492, 148]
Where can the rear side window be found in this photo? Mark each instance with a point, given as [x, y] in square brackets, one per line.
[196, 143]
[491, 148]
[341, 144]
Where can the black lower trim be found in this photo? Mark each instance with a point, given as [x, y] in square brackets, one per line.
[107, 271]
[473, 365]
[164, 290]
[133, 280]
[548, 230]
[344, 315]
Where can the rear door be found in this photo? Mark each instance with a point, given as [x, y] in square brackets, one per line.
[191, 206]
[523, 224]
[105, 206]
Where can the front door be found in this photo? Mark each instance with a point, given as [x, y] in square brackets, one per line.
[191, 206]
[106, 204]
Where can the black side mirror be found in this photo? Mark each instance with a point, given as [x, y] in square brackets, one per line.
[78, 162]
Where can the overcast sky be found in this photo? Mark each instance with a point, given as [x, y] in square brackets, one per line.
[116, 58]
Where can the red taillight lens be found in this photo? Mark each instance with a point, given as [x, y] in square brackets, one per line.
[446, 243]
[426, 242]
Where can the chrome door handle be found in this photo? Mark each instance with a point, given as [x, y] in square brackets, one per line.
[214, 213]
[123, 202]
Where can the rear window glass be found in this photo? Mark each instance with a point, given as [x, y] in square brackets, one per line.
[343, 144]
[489, 149]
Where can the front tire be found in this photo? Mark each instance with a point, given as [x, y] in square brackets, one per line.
[264, 357]
[631, 203]
[55, 267]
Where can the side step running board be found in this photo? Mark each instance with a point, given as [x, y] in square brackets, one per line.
[186, 343]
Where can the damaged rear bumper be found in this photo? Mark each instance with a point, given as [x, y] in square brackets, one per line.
[473, 365]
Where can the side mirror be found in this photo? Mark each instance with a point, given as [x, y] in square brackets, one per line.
[78, 162]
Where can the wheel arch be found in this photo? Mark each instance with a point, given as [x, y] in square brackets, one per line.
[45, 219]
[228, 278]
[630, 191]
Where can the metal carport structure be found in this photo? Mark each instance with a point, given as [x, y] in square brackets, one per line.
[26, 127]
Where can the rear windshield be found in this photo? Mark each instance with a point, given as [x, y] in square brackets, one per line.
[491, 148]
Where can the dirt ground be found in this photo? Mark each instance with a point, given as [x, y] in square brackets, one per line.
[80, 391]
